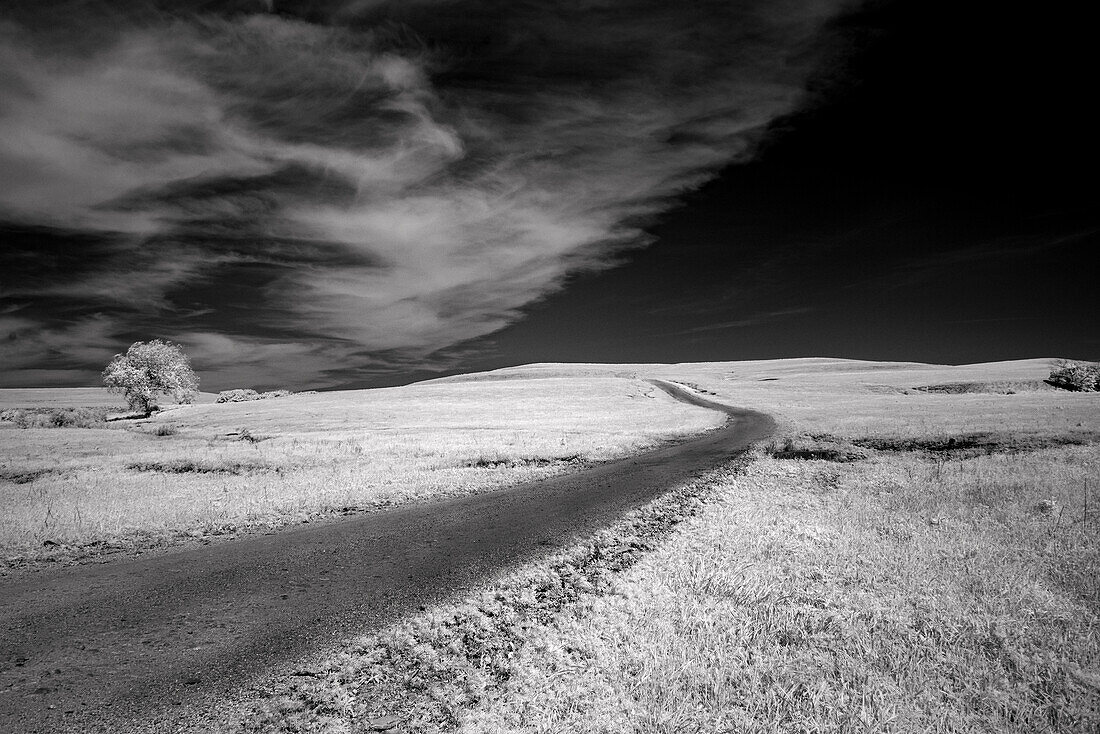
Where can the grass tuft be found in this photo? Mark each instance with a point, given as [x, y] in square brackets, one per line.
[200, 466]
[497, 461]
[1004, 387]
[975, 444]
[815, 448]
[23, 477]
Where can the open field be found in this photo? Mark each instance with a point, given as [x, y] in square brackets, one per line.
[850, 397]
[893, 595]
[937, 570]
[74, 397]
[916, 550]
[212, 469]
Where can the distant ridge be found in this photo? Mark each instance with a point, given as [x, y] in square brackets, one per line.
[1009, 370]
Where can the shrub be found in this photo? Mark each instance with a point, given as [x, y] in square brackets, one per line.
[1076, 376]
[165, 429]
[79, 417]
[245, 394]
[237, 396]
[275, 394]
[57, 417]
[148, 369]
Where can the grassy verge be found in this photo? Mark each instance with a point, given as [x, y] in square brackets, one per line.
[222, 469]
[897, 589]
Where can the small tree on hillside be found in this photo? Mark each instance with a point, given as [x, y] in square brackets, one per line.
[148, 369]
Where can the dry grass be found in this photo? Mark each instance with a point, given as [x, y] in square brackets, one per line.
[808, 597]
[897, 560]
[818, 598]
[217, 469]
[915, 563]
[87, 397]
[851, 398]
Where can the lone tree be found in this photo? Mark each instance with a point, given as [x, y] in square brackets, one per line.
[148, 369]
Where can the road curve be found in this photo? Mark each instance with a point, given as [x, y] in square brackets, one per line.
[139, 645]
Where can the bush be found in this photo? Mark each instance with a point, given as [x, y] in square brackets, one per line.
[237, 396]
[245, 394]
[148, 369]
[57, 417]
[275, 394]
[1076, 376]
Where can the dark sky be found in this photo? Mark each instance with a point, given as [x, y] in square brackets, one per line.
[938, 203]
[356, 193]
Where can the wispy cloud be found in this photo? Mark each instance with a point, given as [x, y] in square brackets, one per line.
[751, 320]
[64, 349]
[395, 178]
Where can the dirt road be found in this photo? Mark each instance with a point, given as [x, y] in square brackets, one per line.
[142, 645]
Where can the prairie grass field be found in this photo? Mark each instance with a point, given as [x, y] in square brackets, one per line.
[891, 561]
[811, 599]
[220, 469]
[917, 549]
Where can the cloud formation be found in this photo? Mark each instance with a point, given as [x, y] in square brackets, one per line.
[322, 189]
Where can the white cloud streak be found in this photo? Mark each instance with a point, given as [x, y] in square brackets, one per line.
[413, 195]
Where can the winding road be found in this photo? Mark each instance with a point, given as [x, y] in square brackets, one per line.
[140, 645]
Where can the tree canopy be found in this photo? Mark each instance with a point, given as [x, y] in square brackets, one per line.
[148, 369]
